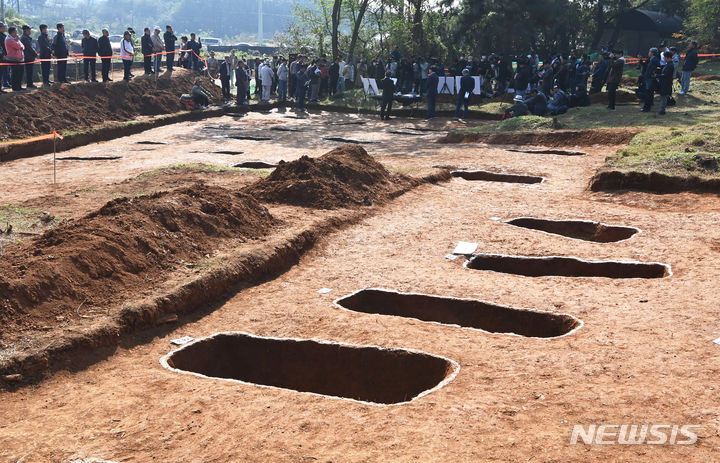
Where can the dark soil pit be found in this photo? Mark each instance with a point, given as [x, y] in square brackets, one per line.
[230, 152]
[566, 267]
[88, 158]
[560, 152]
[421, 129]
[466, 313]
[578, 229]
[256, 165]
[408, 133]
[281, 128]
[249, 137]
[364, 373]
[486, 176]
[350, 140]
[150, 142]
[349, 123]
[218, 127]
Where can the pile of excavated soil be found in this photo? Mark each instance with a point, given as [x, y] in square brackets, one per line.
[85, 105]
[118, 252]
[344, 177]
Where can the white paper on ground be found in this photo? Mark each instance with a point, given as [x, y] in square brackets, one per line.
[717, 341]
[183, 340]
[323, 290]
[495, 218]
[451, 256]
[464, 247]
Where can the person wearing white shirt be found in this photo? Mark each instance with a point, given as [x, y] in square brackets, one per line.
[283, 75]
[158, 47]
[127, 53]
[341, 79]
[266, 77]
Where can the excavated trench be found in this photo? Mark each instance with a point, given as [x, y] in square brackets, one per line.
[578, 229]
[466, 313]
[566, 267]
[365, 373]
[549, 151]
[256, 165]
[488, 176]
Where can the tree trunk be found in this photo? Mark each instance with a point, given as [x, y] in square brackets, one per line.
[417, 30]
[337, 4]
[356, 28]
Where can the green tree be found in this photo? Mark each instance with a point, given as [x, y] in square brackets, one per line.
[703, 21]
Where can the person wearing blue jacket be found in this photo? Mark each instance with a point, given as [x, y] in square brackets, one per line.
[691, 62]
[651, 73]
[432, 90]
[302, 82]
[45, 53]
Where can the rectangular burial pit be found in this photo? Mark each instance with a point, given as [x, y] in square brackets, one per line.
[579, 229]
[465, 313]
[566, 267]
[367, 374]
[487, 176]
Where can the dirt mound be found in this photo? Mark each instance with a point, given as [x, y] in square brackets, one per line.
[82, 106]
[654, 182]
[554, 138]
[708, 77]
[344, 177]
[123, 248]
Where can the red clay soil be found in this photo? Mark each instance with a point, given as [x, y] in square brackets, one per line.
[344, 177]
[123, 248]
[82, 106]
[654, 182]
[550, 139]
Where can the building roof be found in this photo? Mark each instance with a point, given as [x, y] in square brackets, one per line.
[645, 20]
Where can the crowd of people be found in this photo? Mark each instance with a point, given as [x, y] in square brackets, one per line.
[550, 86]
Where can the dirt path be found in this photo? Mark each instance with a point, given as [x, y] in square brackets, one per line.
[644, 355]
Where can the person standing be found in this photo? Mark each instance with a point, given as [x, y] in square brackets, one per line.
[599, 74]
[650, 75]
[432, 89]
[387, 87]
[170, 39]
[302, 81]
[184, 58]
[30, 55]
[4, 70]
[89, 50]
[194, 47]
[234, 62]
[283, 75]
[467, 86]
[106, 53]
[212, 65]
[333, 76]
[266, 77]
[15, 56]
[127, 53]
[691, 62]
[45, 54]
[225, 71]
[61, 52]
[667, 76]
[146, 48]
[158, 47]
[617, 63]
[241, 80]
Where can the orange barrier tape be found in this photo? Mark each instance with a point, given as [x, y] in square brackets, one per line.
[33, 139]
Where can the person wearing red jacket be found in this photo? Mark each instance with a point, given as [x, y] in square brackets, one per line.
[16, 57]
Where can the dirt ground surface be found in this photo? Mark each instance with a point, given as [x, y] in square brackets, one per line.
[644, 354]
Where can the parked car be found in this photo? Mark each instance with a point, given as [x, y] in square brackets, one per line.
[211, 42]
[115, 42]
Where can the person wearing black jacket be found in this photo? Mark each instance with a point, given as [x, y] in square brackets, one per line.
[467, 86]
[45, 53]
[89, 51]
[225, 72]
[432, 90]
[387, 86]
[30, 55]
[105, 52]
[146, 48]
[522, 77]
[60, 50]
[170, 39]
[666, 81]
[548, 79]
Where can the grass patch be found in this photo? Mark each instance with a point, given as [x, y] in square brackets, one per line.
[673, 150]
[23, 219]
[517, 124]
